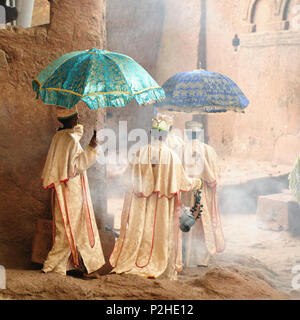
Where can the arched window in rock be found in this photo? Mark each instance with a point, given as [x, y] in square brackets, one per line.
[292, 14]
[270, 15]
[262, 15]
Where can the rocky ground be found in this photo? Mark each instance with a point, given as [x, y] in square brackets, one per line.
[257, 264]
[219, 281]
[277, 251]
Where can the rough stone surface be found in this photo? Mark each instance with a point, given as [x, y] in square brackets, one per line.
[262, 67]
[135, 30]
[266, 67]
[41, 13]
[278, 212]
[229, 282]
[43, 241]
[27, 125]
[180, 43]
[163, 41]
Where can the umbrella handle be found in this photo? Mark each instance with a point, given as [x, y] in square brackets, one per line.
[96, 124]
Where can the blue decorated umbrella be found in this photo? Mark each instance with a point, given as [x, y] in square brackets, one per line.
[100, 78]
[201, 91]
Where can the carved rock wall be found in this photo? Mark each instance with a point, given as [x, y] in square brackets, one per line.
[135, 29]
[266, 67]
[27, 125]
[41, 13]
[163, 36]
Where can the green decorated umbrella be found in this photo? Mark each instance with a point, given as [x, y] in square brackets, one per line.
[100, 78]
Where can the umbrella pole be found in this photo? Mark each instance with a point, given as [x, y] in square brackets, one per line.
[96, 124]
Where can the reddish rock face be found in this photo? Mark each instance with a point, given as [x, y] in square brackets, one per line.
[134, 28]
[28, 125]
[41, 13]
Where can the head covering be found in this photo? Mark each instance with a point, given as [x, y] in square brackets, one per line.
[162, 122]
[63, 113]
[194, 126]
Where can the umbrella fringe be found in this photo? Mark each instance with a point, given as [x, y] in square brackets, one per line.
[68, 99]
[150, 96]
[80, 74]
[199, 109]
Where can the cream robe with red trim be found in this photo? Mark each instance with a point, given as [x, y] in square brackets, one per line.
[206, 236]
[75, 227]
[150, 242]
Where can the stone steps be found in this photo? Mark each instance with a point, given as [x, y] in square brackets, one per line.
[279, 212]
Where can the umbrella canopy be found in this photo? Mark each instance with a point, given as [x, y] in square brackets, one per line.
[98, 77]
[201, 91]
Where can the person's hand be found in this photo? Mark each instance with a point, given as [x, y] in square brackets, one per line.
[93, 143]
[199, 184]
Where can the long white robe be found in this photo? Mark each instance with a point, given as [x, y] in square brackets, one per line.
[206, 236]
[75, 231]
[150, 242]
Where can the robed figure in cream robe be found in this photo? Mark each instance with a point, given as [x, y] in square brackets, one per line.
[150, 241]
[175, 143]
[75, 233]
[206, 236]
